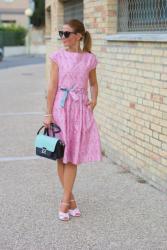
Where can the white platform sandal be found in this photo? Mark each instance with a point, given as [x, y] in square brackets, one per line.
[74, 212]
[62, 215]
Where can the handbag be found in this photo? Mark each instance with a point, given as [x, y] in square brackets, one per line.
[47, 146]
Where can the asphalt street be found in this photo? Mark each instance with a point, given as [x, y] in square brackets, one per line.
[118, 213]
[15, 61]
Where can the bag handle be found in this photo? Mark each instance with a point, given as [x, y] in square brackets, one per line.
[52, 126]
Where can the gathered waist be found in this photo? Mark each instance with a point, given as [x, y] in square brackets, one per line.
[76, 89]
[73, 91]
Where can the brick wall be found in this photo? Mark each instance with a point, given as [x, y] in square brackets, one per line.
[132, 108]
[132, 103]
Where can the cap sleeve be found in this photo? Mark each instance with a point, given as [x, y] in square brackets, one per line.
[93, 62]
[55, 57]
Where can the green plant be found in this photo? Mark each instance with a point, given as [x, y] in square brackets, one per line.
[38, 17]
[12, 35]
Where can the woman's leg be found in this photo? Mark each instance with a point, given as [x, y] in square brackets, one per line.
[70, 171]
[60, 170]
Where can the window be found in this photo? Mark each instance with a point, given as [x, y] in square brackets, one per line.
[73, 9]
[8, 21]
[142, 15]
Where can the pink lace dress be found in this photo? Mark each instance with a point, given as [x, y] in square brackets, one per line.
[78, 126]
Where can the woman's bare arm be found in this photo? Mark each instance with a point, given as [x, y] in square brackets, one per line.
[52, 87]
[93, 87]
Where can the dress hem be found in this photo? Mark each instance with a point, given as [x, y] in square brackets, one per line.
[83, 162]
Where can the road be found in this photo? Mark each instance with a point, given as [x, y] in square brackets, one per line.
[15, 61]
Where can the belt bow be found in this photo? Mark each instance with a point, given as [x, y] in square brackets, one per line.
[67, 91]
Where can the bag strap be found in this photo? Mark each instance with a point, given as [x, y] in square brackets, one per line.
[40, 129]
[52, 126]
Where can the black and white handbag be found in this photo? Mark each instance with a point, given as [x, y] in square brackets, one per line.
[47, 146]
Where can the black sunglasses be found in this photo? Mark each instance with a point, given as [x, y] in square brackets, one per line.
[65, 33]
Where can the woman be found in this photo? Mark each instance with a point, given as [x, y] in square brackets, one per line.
[69, 107]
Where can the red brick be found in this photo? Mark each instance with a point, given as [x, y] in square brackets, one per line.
[132, 105]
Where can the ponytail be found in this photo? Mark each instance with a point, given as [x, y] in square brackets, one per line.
[87, 42]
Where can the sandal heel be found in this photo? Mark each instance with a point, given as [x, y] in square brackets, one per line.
[64, 216]
[74, 212]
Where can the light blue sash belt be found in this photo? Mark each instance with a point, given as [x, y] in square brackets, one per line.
[68, 91]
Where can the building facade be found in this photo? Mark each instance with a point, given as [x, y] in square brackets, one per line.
[130, 42]
[12, 11]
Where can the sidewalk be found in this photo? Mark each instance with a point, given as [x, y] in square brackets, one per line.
[118, 213]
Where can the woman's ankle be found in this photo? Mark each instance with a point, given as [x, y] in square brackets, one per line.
[72, 204]
[64, 206]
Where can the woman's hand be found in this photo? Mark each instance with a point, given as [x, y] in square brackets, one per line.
[48, 120]
[91, 104]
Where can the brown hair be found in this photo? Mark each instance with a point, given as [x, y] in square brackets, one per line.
[78, 26]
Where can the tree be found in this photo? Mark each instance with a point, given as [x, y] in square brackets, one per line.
[38, 17]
